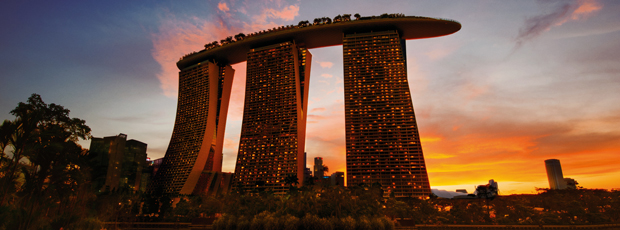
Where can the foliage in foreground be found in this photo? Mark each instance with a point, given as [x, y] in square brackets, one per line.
[45, 183]
[268, 221]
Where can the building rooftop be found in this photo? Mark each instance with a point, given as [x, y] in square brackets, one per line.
[321, 34]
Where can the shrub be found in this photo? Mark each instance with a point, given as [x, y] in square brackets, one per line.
[336, 223]
[309, 222]
[376, 224]
[220, 223]
[312, 222]
[289, 222]
[243, 223]
[363, 224]
[387, 223]
[348, 223]
[231, 223]
[262, 221]
[324, 224]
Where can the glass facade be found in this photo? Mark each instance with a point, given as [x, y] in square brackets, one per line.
[195, 146]
[382, 140]
[274, 119]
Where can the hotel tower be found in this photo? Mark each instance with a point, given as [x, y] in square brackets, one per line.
[273, 132]
[382, 140]
[198, 135]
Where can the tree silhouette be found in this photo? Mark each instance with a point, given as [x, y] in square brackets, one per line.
[56, 169]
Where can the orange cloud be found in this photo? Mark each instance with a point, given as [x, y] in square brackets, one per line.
[288, 13]
[586, 7]
[317, 110]
[326, 75]
[177, 38]
[325, 64]
[223, 7]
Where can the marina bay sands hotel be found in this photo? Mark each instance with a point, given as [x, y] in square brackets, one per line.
[382, 140]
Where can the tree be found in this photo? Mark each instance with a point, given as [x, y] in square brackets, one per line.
[346, 17]
[43, 140]
[338, 18]
[325, 168]
[239, 36]
[357, 16]
[291, 180]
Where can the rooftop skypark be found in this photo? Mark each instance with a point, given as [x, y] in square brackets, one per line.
[321, 33]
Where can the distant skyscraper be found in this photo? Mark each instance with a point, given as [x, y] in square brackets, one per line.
[554, 174]
[198, 135]
[382, 140]
[273, 132]
[318, 167]
[117, 162]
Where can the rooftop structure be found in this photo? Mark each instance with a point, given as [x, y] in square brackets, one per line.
[323, 35]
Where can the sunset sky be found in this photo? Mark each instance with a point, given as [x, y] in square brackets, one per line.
[521, 82]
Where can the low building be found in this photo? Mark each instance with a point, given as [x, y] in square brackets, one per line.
[337, 179]
[117, 163]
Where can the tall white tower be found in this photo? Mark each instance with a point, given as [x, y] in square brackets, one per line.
[554, 174]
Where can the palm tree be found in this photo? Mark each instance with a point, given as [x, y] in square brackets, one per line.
[291, 180]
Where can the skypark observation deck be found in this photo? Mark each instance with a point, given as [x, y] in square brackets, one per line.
[323, 35]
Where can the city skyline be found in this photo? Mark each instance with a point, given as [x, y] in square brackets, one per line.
[520, 83]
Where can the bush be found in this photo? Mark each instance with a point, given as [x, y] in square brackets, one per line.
[312, 222]
[289, 222]
[309, 222]
[324, 224]
[262, 221]
[231, 224]
[87, 223]
[220, 223]
[363, 224]
[243, 223]
[387, 223]
[348, 223]
[376, 224]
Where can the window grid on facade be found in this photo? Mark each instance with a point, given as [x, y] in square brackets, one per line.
[271, 136]
[382, 140]
[190, 127]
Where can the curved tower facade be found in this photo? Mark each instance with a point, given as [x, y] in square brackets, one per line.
[198, 135]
